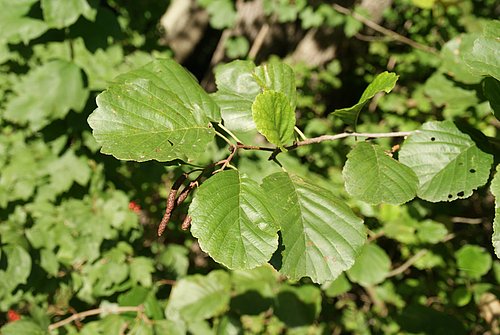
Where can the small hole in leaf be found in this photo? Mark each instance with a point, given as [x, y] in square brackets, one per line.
[170, 142]
[433, 139]
[472, 170]
[450, 196]
[460, 194]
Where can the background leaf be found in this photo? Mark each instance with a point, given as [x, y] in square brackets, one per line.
[495, 189]
[231, 217]
[383, 82]
[60, 14]
[448, 164]
[473, 261]
[372, 176]
[45, 94]
[199, 297]
[155, 112]
[321, 235]
[491, 89]
[371, 266]
[274, 117]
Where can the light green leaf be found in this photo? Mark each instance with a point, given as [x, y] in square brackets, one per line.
[231, 217]
[199, 297]
[384, 82]
[263, 279]
[222, 13]
[158, 111]
[372, 176]
[474, 261]
[141, 269]
[321, 235]
[15, 27]
[448, 164]
[495, 189]
[425, 4]
[443, 92]
[22, 327]
[274, 117]
[277, 76]
[371, 267]
[18, 268]
[236, 91]
[429, 231]
[47, 93]
[483, 55]
[59, 14]
[452, 63]
[491, 89]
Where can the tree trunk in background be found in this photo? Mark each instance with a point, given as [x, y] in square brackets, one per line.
[376, 8]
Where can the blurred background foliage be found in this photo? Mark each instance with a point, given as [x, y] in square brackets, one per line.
[78, 228]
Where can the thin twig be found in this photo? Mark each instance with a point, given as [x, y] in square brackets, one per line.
[96, 311]
[383, 30]
[406, 265]
[186, 223]
[301, 134]
[224, 138]
[325, 138]
[259, 40]
[457, 219]
[229, 133]
[225, 162]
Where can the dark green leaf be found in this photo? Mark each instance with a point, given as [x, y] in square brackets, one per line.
[448, 164]
[321, 235]
[491, 89]
[384, 82]
[274, 117]
[372, 176]
[155, 112]
[199, 297]
[231, 217]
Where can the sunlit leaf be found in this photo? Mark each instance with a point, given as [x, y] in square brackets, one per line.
[447, 162]
[384, 82]
[495, 189]
[372, 176]
[321, 235]
[199, 297]
[60, 14]
[473, 261]
[231, 217]
[157, 112]
[371, 267]
[274, 117]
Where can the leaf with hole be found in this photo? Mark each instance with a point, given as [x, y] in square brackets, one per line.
[321, 235]
[384, 82]
[158, 111]
[274, 117]
[447, 162]
[372, 176]
[232, 219]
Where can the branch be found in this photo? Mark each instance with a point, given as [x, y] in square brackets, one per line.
[403, 267]
[383, 30]
[96, 311]
[325, 138]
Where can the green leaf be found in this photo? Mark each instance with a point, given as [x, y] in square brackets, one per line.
[371, 267]
[384, 82]
[59, 14]
[474, 261]
[491, 89]
[452, 63]
[483, 55]
[236, 91]
[47, 93]
[372, 176]
[18, 268]
[277, 76]
[448, 163]
[495, 189]
[321, 235]
[429, 231]
[158, 111]
[22, 327]
[274, 117]
[231, 217]
[199, 297]
[298, 306]
[141, 269]
[222, 13]
[337, 287]
[15, 27]
[425, 4]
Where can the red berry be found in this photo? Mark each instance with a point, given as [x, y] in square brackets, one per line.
[12, 315]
